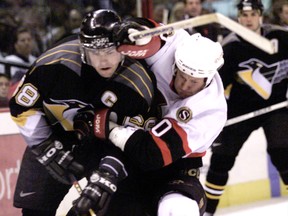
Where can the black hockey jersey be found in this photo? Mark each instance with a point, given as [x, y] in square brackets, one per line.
[252, 78]
[58, 85]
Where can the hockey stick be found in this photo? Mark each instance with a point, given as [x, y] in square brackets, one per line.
[78, 188]
[247, 34]
[256, 113]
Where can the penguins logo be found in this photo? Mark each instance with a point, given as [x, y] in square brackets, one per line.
[184, 114]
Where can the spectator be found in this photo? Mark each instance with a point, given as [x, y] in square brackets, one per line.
[125, 8]
[73, 23]
[4, 90]
[280, 13]
[177, 12]
[255, 80]
[56, 21]
[160, 13]
[34, 18]
[2, 67]
[23, 45]
[105, 4]
[7, 26]
[193, 8]
[88, 9]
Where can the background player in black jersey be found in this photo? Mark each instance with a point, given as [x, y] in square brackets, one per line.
[61, 83]
[245, 71]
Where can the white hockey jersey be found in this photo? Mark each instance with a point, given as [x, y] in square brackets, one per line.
[188, 126]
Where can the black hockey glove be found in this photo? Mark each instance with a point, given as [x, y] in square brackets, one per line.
[139, 48]
[96, 123]
[122, 32]
[101, 185]
[83, 124]
[59, 163]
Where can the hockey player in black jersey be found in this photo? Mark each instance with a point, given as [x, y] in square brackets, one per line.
[255, 80]
[63, 82]
[192, 99]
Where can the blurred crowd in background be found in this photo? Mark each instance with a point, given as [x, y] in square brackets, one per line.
[29, 27]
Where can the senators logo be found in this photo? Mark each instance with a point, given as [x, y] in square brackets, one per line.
[184, 114]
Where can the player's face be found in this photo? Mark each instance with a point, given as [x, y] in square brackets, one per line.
[251, 19]
[186, 85]
[284, 14]
[105, 61]
[4, 87]
[193, 7]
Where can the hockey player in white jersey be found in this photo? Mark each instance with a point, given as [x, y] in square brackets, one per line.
[192, 102]
[194, 112]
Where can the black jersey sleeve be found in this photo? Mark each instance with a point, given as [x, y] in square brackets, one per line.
[158, 148]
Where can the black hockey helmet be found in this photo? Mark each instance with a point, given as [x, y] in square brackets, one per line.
[244, 5]
[96, 31]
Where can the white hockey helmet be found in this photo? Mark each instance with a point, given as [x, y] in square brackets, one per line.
[199, 57]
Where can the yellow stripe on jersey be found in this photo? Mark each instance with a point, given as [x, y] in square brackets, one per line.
[246, 76]
[144, 72]
[63, 59]
[214, 186]
[21, 119]
[132, 83]
[60, 113]
[213, 197]
[227, 91]
[68, 54]
[54, 53]
[138, 79]
[74, 43]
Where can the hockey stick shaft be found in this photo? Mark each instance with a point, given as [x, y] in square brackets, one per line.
[78, 188]
[193, 22]
[256, 113]
[250, 36]
[247, 34]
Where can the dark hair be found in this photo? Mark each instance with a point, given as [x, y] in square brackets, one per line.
[18, 31]
[185, 1]
[277, 9]
[5, 75]
[253, 4]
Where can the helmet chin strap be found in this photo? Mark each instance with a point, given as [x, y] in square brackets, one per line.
[83, 56]
[174, 69]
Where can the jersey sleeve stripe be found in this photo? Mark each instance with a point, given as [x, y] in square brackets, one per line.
[166, 154]
[183, 136]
